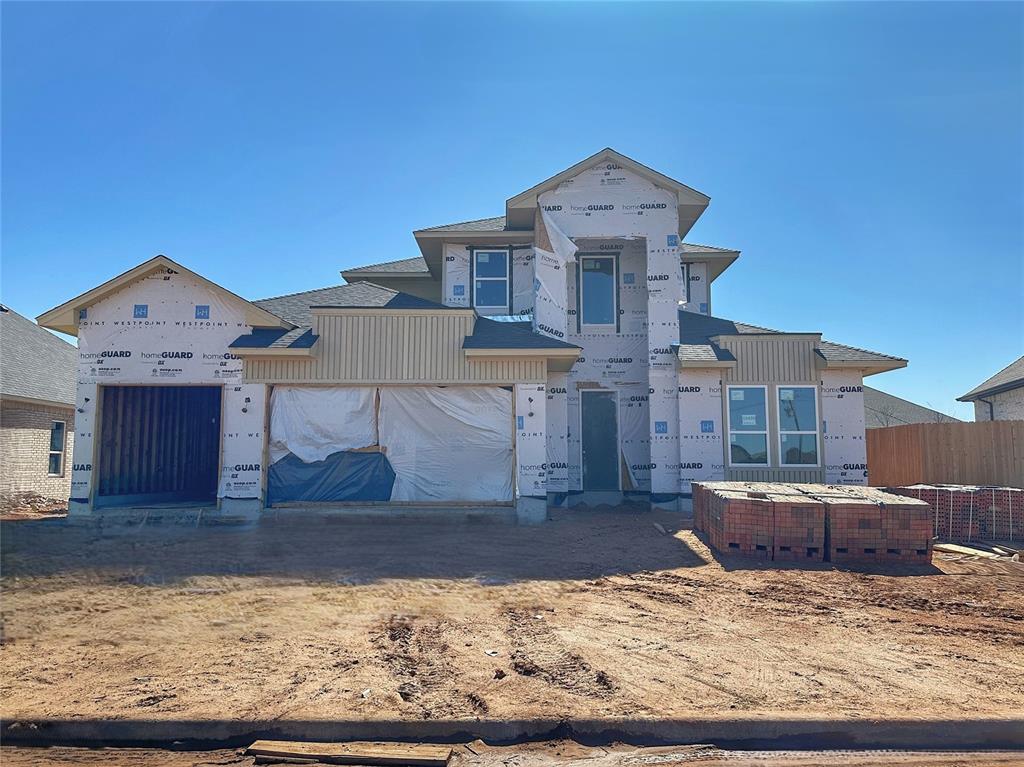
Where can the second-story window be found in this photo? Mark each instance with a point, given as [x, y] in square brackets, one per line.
[598, 293]
[490, 280]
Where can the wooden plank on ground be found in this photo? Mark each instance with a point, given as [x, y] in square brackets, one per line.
[369, 753]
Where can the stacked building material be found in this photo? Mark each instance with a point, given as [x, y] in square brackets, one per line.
[801, 522]
[971, 512]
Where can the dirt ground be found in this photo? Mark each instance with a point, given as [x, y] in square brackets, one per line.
[587, 616]
[546, 754]
[27, 506]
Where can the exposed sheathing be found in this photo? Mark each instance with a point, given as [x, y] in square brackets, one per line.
[842, 427]
[701, 428]
[172, 329]
[376, 347]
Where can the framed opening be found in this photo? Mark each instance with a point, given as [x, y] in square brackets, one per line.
[747, 419]
[599, 440]
[491, 275]
[58, 446]
[599, 300]
[798, 426]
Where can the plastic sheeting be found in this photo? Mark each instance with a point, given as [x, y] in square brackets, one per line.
[448, 443]
[344, 476]
[315, 422]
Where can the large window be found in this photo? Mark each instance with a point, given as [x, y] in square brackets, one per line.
[57, 442]
[597, 287]
[490, 279]
[798, 426]
[748, 425]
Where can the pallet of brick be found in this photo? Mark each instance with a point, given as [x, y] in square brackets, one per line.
[747, 524]
[906, 526]
[798, 533]
[971, 513]
[854, 528]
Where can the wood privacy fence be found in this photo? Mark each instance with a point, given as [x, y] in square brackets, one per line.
[982, 453]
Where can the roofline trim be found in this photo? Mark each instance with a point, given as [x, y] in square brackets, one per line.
[522, 352]
[65, 316]
[971, 396]
[275, 351]
[523, 198]
[427, 311]
[56, 404]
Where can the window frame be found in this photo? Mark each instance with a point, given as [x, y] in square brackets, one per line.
[63, 448]
[779, 432]
[600, 326]
[507, 279]
[729, 430]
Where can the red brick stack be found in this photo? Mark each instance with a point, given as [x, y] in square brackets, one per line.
[799, 531]
[800, 522]
[971, 512]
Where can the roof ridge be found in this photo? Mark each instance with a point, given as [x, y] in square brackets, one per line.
[304, 292]
[460, 223]
[383, 263]
[861, 349]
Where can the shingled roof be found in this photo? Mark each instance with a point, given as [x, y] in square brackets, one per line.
[1010, 377]
[697, 330]
[296, 307]
[404, 266]
[883, 409]
[34, 363]
[491, 334]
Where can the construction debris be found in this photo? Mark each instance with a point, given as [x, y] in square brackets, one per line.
[812, 523]
[363, 753]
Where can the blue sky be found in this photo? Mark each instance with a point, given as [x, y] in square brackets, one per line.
[867, 158]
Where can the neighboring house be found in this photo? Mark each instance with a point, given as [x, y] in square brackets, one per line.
[37, 408]
[1001, 397]
[563, 351]
[883, 409]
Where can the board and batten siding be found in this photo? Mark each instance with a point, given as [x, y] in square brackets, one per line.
[769, 360]
[401, 346]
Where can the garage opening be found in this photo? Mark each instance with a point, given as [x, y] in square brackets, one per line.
[158, 444]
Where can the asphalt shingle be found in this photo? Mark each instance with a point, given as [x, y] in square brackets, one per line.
[1010, 377]
[416, 265]
[884, 409]
[489, 334]
[35, 363]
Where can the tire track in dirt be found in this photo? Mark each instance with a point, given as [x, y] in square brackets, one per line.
[419, 658]
[539, 653]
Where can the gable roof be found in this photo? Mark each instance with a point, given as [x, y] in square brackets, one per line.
[34, 363]
[883, 409]
[697, 333]
[65, 317]
[297, 307]
[692, 203]
[1010, 377]
[402, 268]
[493, 224]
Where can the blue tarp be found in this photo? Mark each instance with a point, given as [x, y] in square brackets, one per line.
[342, 476]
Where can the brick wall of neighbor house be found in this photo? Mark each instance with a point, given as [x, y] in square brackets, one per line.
[25, 449]
[1008, 406]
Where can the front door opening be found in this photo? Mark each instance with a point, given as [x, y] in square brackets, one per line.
[158, 444]
[600, 440]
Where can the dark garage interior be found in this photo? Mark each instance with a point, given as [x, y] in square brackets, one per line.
[158, 444]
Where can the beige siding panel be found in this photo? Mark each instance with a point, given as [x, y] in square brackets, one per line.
[764, 359]
[393, 347]
[775, 475]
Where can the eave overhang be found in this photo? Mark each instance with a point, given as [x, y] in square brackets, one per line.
[992, 391]
[519, 210]
[64, 318]
[867, 367]
[431, 243]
